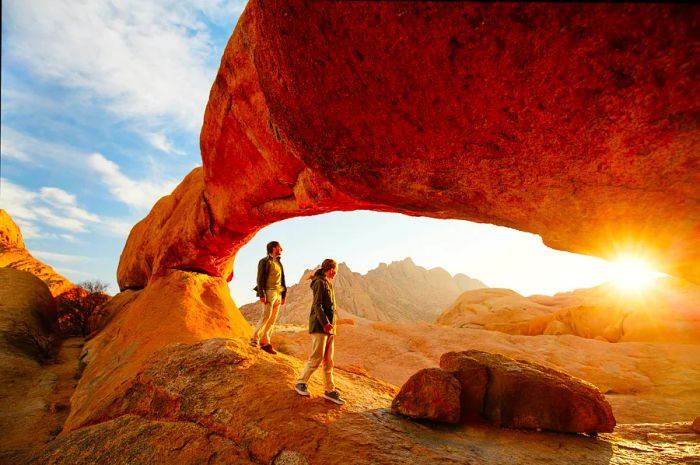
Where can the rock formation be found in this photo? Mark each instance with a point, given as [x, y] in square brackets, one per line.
[27, 313]
[567, 121]
[496, 309]
[400, 291]
[27, 329]
[182, 307]
[561, 120]
[668, 310]
[643, 382]
[13, 254]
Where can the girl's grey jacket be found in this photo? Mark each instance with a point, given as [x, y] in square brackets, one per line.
[323, 310]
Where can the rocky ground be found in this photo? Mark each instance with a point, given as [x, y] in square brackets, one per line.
[644, 382]
[221, 401]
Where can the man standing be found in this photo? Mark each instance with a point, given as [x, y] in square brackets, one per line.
[272, 290]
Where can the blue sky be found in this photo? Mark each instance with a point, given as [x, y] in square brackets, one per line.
[102, 103]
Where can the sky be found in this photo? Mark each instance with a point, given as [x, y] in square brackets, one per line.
[102, 102]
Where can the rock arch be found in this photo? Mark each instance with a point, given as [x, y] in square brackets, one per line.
[575, 122]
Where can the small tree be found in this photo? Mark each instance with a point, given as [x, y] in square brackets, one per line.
[76, 307]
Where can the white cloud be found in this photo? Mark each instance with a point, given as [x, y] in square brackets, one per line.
[67, 272]
[139, 194]
[10, 150]
[59, 257]
[24, 148]
[160, 141]
[150, 59]
[65, 202]
[17, 201]
[117, 227]
[49, 207]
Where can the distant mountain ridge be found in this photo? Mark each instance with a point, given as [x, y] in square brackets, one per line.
[399, 291]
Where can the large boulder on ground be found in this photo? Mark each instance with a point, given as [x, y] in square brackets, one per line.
[520, 394]
[430, 394]
[27, 341]
[27, 313]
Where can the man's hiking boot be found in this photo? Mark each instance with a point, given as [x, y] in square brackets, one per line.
[301, 389]
[268, 348]
[333, 396]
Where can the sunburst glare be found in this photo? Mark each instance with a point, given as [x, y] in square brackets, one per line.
[632, 274]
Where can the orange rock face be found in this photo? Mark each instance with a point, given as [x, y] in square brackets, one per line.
[10, 235]
[181, 307]
[576, 122]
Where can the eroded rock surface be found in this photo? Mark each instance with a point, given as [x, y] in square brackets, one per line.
[181, 307]
[27, 313]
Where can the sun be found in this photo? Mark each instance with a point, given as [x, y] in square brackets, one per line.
[632, 274]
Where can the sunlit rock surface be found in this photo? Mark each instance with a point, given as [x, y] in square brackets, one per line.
[180, 307]
[643, 382]
[666, 310]
[13, 254]
[214, 402]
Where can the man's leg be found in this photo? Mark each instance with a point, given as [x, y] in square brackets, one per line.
[255, 337]
[273, 302]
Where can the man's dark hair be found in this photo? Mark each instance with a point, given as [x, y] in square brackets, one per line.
[271, 246]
